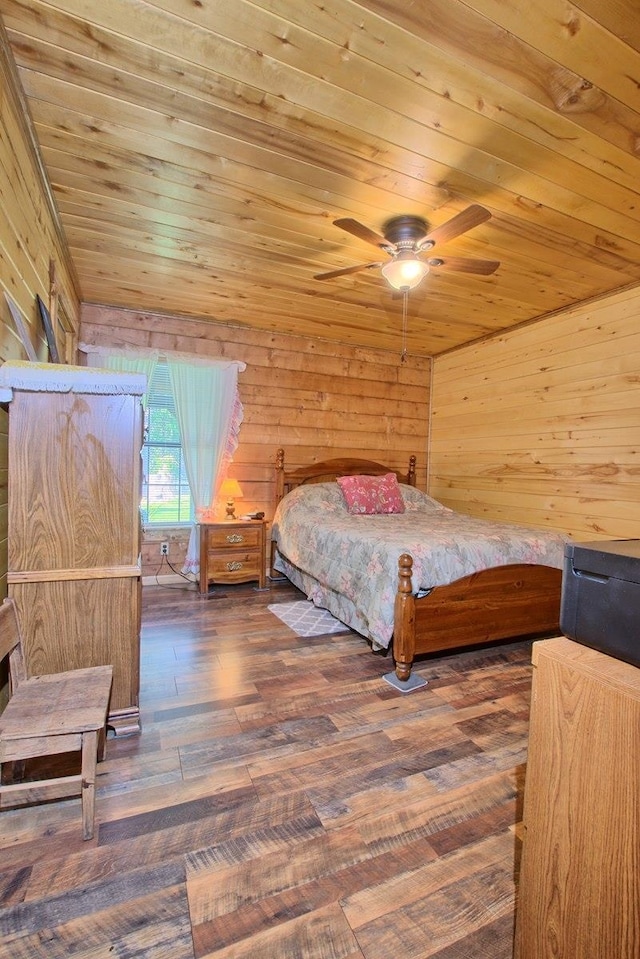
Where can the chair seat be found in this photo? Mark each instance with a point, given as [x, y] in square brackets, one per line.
[49, 715]
[56, 705]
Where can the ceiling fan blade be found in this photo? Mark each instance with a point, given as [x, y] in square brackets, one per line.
[472, 216]
[346, 270]
[460, 264]
[362, 232]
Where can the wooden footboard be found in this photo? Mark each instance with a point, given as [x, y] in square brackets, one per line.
[500, 603]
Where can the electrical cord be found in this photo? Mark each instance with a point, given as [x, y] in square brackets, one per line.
[178, 572]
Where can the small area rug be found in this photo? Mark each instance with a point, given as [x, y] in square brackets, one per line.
[305, 619]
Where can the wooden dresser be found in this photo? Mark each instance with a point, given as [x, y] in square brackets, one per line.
[233, 551]
[579, 891]
[75, 436]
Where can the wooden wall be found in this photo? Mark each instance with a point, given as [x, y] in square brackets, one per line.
[312, 398]
[542, 425]
[29, 241]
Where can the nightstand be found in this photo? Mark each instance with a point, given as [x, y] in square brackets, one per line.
[233, 551]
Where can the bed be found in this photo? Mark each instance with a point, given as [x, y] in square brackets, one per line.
[422, 580]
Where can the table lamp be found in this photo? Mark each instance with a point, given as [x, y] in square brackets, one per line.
[232, 491]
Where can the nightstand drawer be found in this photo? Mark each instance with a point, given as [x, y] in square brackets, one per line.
[224, 566]
[239, 537]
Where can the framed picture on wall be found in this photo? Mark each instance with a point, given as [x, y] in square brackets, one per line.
[48, 329]
[63, 330]
[21, 328]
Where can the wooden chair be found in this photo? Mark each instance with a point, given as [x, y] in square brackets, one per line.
[48, 715]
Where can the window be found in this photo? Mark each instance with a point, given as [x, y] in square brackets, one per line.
[166, 497]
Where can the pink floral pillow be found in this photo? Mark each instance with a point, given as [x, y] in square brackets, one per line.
[372, 494]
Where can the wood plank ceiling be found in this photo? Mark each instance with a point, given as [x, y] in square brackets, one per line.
[199, 153]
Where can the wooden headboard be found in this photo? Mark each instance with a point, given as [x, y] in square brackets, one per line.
[326, 471]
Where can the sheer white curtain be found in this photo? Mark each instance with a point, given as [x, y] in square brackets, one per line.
[209, 414]
[122, 360]
[126, 363]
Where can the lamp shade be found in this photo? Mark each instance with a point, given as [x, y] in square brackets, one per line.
[405, 271]
[231, 489]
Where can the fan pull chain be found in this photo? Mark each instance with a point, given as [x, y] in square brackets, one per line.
[405, 304]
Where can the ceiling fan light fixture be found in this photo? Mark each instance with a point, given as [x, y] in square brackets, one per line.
[405, 271]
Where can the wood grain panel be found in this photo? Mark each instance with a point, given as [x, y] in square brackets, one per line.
[4, 462]
[84, 467]
[542, 425]
[579, 887]
[30, 234]
[200, 154]
[83, 636]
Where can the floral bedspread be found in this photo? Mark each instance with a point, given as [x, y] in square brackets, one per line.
[349, 563]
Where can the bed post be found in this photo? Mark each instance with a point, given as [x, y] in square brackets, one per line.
[411, 475]
[404, 620]
[279, 493]
[279, 475]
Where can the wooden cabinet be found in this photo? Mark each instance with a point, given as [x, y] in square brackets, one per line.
[579, 892]
[73, 522]
[232, 551]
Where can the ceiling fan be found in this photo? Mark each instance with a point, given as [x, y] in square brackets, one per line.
[406, 238]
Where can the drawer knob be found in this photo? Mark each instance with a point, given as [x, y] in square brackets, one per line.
[235, 538]
[234, 567]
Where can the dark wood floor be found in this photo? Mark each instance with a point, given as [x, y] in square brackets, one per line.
[283, 801]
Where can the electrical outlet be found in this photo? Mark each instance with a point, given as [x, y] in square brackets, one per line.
[164, 549]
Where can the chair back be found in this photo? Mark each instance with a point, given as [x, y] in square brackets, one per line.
[11, 643]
